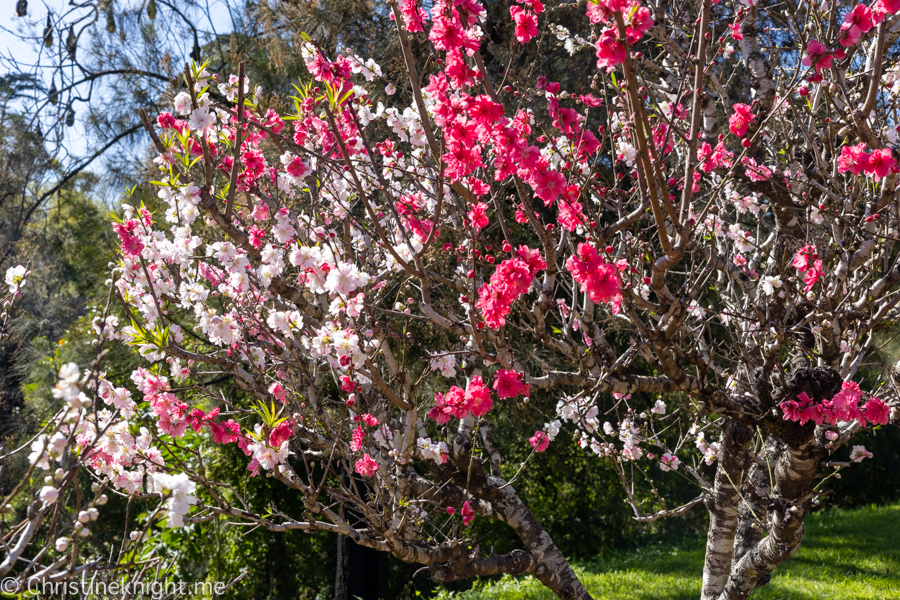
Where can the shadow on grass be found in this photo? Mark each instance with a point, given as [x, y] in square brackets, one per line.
[847, 555]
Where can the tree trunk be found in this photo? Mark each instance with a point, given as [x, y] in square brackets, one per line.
[794, 456]
[723, 509]
[361, 572]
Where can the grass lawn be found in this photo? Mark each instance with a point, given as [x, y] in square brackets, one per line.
[847, 555]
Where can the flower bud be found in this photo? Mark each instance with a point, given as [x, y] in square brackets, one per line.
[49, 494]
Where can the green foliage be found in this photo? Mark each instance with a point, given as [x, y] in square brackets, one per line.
[291, 564]
[67, 246]
[846, 554]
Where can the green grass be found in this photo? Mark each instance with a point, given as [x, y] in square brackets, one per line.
[847, 555]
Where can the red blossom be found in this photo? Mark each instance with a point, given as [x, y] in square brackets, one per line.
[358, 437]
[610, 51]
[741, 119]
[509, 384]
[540, 441]
[478, 216]
[281, 433]
[128, 239]
[467, 513]
[526, 23]
[598, 278]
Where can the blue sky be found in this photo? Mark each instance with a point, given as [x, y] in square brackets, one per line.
[15, 49]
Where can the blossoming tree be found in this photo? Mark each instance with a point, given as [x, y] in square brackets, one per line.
[50, 551]
[693, 261]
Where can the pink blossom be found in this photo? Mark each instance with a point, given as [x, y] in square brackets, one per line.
[441, 413]
[461, 159]
[413, 15]
[813, 274]
[173, 427]
[818, 57]
[569, 215]
[741, 119]
[791, 410]
[805, 257]
[366, 466]
[669, 461]
[347, 384]
[260, 212]
[484, 111]
[458, 70]
[754, 171]
[478, 216]
[277, 390]
[877, 412]
[456, 399]
[853, 159]
[548, 185]
[511, 279]
[641, 22]
[197, 419]
[711, 159]
[226, 432]
[859, 453]
[615, 5]
[370, 420]
[478, 398]
[165, 120]
[494, 304]
[532, 256]
[256, 236]
[296, 167]
[446, 33]
[844, 403]
[358, 437]
[703, 152]
[856, 22]
[274, 121]
[254, 163]
[812, 413]
[602, 10]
